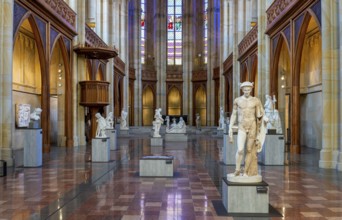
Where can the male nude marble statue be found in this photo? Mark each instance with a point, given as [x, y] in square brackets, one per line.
[251, 119]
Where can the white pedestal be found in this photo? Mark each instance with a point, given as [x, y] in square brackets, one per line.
[111, 133]
[100, 150]
[156, 166]
[245, 197]
[32, 142]
[156, 141]
[175, 137]
[273, 150]
[229, 150]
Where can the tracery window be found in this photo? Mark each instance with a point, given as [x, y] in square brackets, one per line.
[205, 31]
[174, 32]
[142, 38]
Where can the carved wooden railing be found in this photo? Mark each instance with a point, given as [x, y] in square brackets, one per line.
[174, 76]
[94, 93]
[277, 8]
[92, 39]
[248, 41]
[228, 63]
[119, 65]
[199, 75]
[148, 75]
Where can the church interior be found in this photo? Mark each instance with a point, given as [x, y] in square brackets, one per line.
[123, 60]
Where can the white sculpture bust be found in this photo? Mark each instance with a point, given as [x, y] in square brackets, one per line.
[158, 120]
[101, 126]
[272, 114]
[123, 122]
[109, 120]
[35, 115]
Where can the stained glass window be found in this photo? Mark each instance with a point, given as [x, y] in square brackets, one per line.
[142, 24]
[205, 30]
[174, 32]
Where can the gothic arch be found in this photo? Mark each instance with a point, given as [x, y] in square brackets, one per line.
[68, 115]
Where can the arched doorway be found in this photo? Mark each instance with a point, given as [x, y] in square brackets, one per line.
[201, 104]
[310, 81]
[174, 102]
[148, 106]
[28, 66]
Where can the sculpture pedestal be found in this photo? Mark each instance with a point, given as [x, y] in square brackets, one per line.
[124, 131]
[273, 150]
[34, 124]
[156, 166]
[245, 197]
[229, 149]
[176, 137]
[31, 140]
[100, 150]
[111, 133]
[156, 141]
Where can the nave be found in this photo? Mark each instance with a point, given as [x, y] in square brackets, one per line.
[69, 186]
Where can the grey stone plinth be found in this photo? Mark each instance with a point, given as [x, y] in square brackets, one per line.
[245, 197]
[156, 141]
[123, 132]
[273, 150]
[156, 166]
[31, 141]
[175, 137]
[100, 150]
[229, 149]
[34, 124]
[111, 133]
[157, 150]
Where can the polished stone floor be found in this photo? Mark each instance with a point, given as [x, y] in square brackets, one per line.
[69, 186]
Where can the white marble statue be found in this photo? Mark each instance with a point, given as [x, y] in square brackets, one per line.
[178, 128]
[23, 115]
[35, 115]
[158, 120]
[198, 121]
[167, 119]
[109, 120]
[272, 114]
[123, 121]
[221, 120]
[251, 118]
[101, 126]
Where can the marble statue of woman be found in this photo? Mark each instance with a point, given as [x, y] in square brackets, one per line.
[158, 120]
[101, 126]
[123, 122]
[198, 121]
[272, 114]
[221, 120]
[251, 118]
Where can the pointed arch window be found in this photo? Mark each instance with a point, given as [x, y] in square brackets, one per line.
[143, 37]
[205, 31]
[174, 32]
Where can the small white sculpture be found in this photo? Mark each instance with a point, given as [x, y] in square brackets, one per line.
[109, 120]
[123, 122]
[101, 126]
[167, 119]
[251, 131]
[35, 115]
[272, 114]
[221, 120]
[179, 128]
[158, 120]
[198, 121]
